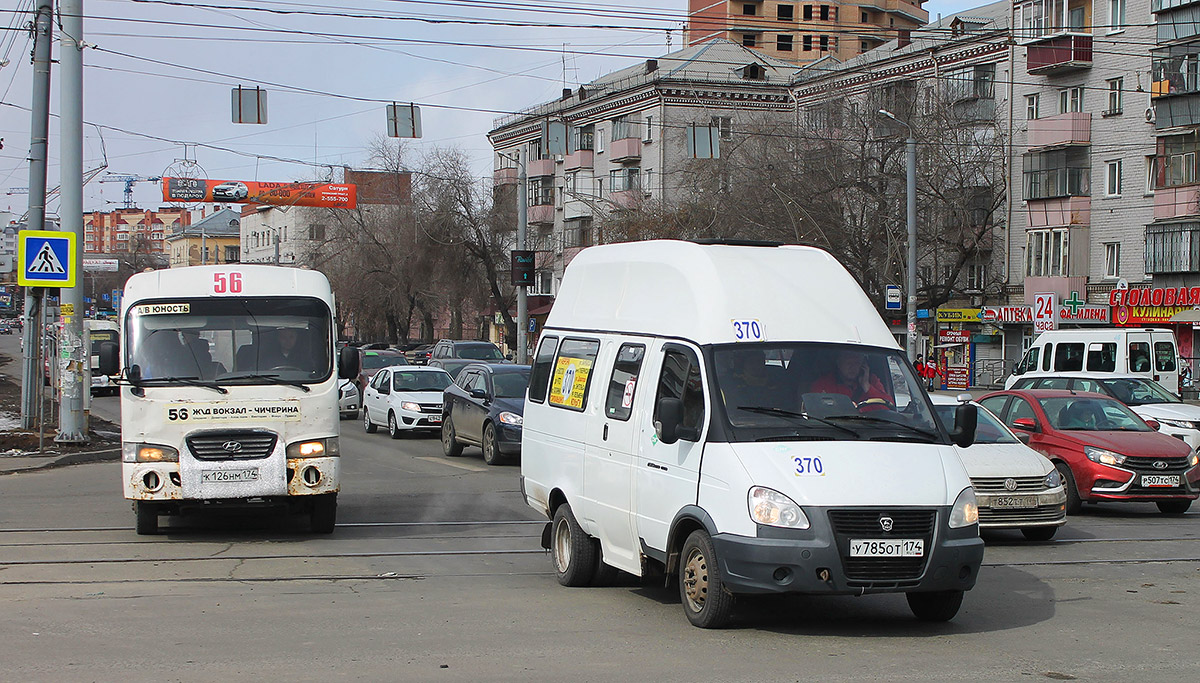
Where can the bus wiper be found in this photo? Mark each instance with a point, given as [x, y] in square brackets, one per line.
[770, 410]
[273, 378]
[870, 418]
[190, 381]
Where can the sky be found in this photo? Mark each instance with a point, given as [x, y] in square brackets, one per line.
[158, 74]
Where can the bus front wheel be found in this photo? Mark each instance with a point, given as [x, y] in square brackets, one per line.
[147, 518]
[323, 516]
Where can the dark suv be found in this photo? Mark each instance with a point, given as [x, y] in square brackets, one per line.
[478, 351]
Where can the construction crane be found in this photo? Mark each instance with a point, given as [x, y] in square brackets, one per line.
[129, 181]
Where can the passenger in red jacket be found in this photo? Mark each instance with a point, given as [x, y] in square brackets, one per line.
[851, 376]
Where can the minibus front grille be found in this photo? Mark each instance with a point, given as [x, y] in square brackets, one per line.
[870, 523]
[232, 445]
[905, 522]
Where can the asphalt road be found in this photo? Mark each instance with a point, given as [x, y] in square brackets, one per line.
[435, 574]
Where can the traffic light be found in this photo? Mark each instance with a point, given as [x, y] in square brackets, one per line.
[522, 267]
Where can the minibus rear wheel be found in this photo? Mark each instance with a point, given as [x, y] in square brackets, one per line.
[701, 589]
[571, 549]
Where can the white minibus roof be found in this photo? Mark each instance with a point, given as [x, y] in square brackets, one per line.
[253, 280]
[698, 291]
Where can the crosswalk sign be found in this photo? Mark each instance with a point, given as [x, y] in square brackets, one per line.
[47, 258]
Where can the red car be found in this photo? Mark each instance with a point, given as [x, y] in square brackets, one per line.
[1104, 451]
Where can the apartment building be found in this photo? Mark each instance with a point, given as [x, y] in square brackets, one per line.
[803, 32]
[625, 139]
[130, 230]
[209, 241]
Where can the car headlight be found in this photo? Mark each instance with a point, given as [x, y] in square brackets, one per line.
[148, 452]
[1179, 424]
[411, 406]
[1103, 456]
[313, 448]
[965, 512]
[349, 390]
[1193, 459]
[511, 419]
[771, 508]
[1054, 479]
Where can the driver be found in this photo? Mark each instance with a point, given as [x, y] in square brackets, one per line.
[288, 352]
[851, 376]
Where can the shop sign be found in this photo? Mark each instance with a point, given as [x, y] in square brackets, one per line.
[1151, 305]
[954, 336]
[954, 315]
[1147, 315]
[1007, 314]
[958, 377]
[1089, 314]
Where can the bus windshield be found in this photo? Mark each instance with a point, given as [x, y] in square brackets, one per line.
[251, 340]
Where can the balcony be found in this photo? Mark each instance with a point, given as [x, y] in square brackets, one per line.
[541, 214]
[584, 158]
[1058, 53]
[504, 176]
[1173, 202]
[1074, 128]
[539, 167]
[1053, 213]
[625, 149]
[625, 199]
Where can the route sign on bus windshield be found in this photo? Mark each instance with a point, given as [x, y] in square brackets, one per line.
[47, 258]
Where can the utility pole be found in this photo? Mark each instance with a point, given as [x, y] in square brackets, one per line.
[72, 422]
[31, 371]
[910, 145]
[522, 300]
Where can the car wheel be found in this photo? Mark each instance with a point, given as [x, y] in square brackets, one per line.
[450, 445]
[367, 424]
[394, 430]
[323, 516]
[571, 550]
[491, 451]
[1074, 504]
[1173, 507]
[705, 601]
[1039, 533]
[935, 606]
[147, 518]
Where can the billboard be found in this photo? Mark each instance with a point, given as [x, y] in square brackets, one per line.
[330, 195]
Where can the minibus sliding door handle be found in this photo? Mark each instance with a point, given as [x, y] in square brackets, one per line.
[605, 436]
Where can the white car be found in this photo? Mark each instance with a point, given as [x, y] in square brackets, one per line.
[348, 399]
[1015, 486]
[230, 192]
[405, 398]
[1146, 398]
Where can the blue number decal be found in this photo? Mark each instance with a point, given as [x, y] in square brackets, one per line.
[809, 466]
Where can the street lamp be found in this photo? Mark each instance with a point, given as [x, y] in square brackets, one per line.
[522, 301]
[911, 147]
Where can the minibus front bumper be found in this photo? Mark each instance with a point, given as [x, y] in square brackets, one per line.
[817, 560]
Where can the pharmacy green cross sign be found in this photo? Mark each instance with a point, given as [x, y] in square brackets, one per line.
[1074, 304]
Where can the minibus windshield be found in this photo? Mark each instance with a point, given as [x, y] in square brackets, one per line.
[251, 340]
[773, 391]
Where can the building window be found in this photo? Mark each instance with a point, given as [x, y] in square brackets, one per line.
[1057, 173]
[824, 43]
[1149, 174]
[1173, 248]
[1070, 100]
[749, 9]
[1112, 178]
[866, 18]
[973, 82]
[648, 133]
[599, 141]
[231, 254]
[749, 39]
[316, 232]
[865, 46]
[976, 276]
[808, 12]
[1031, 106]
[623, 127]
[724, 125]
[1046, 253]
[1115, 86]
[624, 179]
[541, 191]
[1112, 260]
[1116, 16]
[1176, 160]
[786, 12]
[824, 12]
[581, 139]
[808, 43]
[784, 43]
[1176, 71]
[578, 233]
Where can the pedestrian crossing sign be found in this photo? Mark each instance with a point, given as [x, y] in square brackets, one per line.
[47, 258]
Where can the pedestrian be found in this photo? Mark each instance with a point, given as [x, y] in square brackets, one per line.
[919, 365]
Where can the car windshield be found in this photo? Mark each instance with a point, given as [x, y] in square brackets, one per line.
[510, 384]
[987, 429]
[375, 361]
[244, 340]
[429, 380]
[773, 391]
[1078, 413]
[1137, 391]
[478, 352]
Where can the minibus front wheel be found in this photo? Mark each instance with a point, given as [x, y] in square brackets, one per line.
[935, 605]
[147, 518]
[701, 589]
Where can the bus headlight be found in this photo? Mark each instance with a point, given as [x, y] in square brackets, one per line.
[772, 508]
[148, 452]
[313, 448]
[965, 512]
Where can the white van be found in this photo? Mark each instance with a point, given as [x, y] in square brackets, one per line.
[687, 415]
[1150, 353]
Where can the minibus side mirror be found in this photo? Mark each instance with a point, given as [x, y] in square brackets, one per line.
[348, 363]
[670, 414]
[110, 360]
[966, 417]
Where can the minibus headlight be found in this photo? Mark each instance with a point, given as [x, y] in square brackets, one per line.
[1054, 479]
[411, 406]
[1103, 456]
[965, 512]
[148, 452]
[771, 508]
[313, 448]
[511, 419]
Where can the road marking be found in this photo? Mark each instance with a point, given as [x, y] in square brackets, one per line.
[450, 463]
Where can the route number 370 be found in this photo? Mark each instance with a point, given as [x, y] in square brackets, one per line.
[227, 283]
[747, 330]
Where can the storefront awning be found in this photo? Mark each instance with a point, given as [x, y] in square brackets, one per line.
[1192, 315]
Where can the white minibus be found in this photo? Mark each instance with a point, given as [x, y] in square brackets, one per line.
[738, 418]
[1151, 353]
[229, 391]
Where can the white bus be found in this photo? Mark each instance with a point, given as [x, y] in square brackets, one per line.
[229, 391]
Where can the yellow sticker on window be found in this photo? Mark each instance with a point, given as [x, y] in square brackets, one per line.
[569, 384]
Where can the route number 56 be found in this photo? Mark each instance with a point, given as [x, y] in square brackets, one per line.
[227, 282]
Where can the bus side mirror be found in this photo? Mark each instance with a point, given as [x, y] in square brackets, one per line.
[670, 414]
[966, 417]
[110, 358]
[348, 363]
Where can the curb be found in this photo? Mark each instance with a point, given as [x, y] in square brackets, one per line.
[66, 460]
